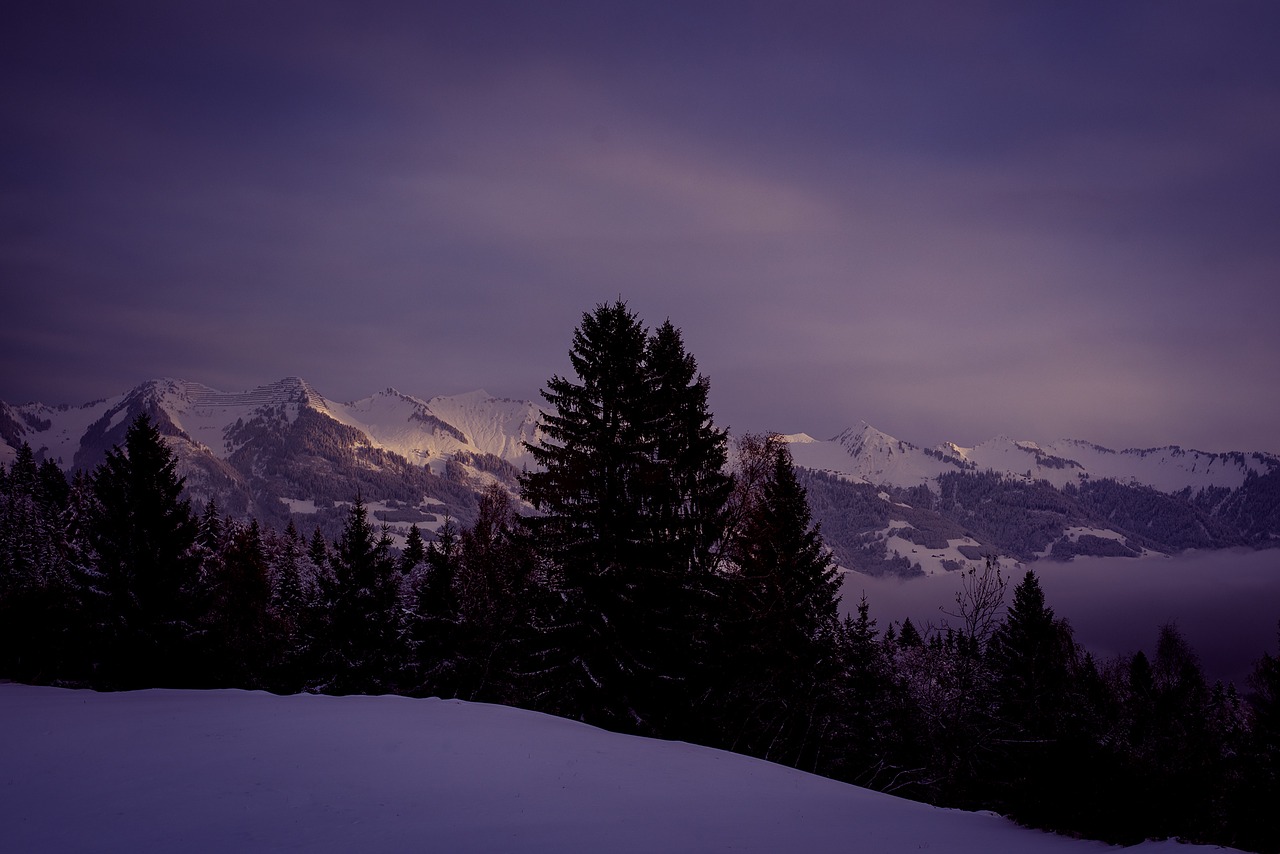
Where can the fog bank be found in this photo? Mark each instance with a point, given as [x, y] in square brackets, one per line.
[1226, 603]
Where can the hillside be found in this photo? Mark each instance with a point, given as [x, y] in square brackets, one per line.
[249, 771]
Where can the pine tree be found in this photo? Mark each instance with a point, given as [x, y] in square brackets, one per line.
[688, 514]
[786, 592]
[362, 652]
[85, 604]
[143, 537]
[871, 746]
[691, 488]
[414, 552]
[1029, 662]
[409, 568]
[433, 620]
[1254, 816]
[629, 495]
[242, 635]
[292, 608]
[35, 593]
[495, 597]
[1030, 656]
[909, 636]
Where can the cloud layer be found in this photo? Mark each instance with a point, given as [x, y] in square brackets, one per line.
[949, 224]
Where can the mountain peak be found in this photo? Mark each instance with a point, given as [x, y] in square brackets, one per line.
[798, 439]
[865, 437]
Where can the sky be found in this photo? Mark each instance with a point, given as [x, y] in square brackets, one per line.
[951, 221]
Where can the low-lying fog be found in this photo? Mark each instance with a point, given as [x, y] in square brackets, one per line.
[1226, 603]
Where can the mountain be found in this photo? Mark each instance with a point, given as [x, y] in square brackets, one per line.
[284, 449]
[890, 507]
[886, 506]
[865, 454]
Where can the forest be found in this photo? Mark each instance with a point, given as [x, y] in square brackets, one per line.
[666, 585]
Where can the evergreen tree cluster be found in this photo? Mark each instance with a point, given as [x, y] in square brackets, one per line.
[667, 585]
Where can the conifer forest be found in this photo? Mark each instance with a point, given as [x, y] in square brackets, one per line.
[666, 584]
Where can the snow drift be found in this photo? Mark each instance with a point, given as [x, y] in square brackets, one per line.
[248, 771]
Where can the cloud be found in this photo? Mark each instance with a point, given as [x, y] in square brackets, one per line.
[991, 222]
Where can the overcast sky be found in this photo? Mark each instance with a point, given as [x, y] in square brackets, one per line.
[950, 220]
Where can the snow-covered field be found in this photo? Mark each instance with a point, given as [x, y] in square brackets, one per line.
[247, 771]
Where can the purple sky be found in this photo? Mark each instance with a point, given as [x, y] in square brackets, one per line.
[949, 220]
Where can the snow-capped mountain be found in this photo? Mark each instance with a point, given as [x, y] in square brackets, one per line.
[421, 431]
[866, 455]
[283, 451]
[890, 507]
[283, 448]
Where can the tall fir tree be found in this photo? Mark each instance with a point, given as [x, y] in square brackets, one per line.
[433, 619]
[780, 702]
[362, 645]
[688, 514]
[143, 539]
[293, 599]
[691, 487]
[496, 598]
[629, 495]
[1029, 662]
[1031, 657]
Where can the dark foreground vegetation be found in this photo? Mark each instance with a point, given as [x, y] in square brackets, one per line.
[657, 590]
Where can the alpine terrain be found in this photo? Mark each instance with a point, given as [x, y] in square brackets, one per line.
[886, 506]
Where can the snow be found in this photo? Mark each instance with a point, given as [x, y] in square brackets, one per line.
[929, 560]
[246, 771]
[865, 454]
[300, 505]
[68, 425]
[798, 439]
[393, 421]
[477, 422]
[1075, 533]
[827, 456]
[497, 426]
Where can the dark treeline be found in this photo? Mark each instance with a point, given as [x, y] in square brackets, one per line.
[659, 589]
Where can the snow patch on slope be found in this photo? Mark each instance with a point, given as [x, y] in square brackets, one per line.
[931, 561]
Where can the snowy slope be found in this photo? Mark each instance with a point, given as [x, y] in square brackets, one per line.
[66, 426]
[420, 431]
[426, 431]
[247, 771]
[868, 455]
[498, 426]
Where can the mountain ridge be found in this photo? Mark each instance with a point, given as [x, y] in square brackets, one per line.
[876, 458]
[283, 451]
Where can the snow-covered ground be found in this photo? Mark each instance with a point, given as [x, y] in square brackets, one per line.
[247, 771]
[932, 561]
